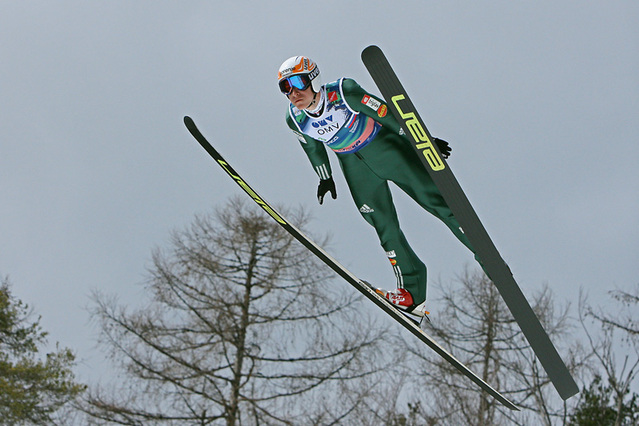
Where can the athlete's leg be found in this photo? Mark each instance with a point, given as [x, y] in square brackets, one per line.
[394, 159]
[373, 199]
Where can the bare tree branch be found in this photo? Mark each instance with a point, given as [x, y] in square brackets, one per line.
[242, 325]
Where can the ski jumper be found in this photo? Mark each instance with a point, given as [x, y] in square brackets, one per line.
[372, 150]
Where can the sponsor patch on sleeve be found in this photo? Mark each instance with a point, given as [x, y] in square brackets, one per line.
[375, 105]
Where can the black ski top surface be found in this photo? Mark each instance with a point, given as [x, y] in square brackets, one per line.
[362, 286]
[496, 268]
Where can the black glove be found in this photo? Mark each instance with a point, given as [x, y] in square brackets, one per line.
[324, 186]
[443, 146]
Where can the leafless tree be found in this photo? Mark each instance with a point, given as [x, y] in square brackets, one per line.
[615, 347]
[243, 326]
[474, 323]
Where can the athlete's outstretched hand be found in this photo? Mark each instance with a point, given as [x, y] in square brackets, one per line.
[443, 146]
[324, 186]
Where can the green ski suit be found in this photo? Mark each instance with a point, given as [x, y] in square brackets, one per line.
[372, 151]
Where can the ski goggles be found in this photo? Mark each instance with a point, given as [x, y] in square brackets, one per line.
[299, 82]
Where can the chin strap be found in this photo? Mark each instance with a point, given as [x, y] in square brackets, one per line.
[320, 103]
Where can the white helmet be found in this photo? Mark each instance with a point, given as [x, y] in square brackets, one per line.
[299, 72]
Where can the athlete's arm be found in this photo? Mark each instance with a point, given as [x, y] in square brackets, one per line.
[366, 103]
[315, 151]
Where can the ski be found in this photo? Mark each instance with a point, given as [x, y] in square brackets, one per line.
[365, 288]
[494, 266]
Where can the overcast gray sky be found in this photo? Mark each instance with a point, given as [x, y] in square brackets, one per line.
[538, 99]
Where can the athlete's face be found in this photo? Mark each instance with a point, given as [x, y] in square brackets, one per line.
[301, 98]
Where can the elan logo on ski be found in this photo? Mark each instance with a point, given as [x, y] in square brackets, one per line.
[420, 136]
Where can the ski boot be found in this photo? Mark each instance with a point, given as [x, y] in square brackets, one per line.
[404, 301]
